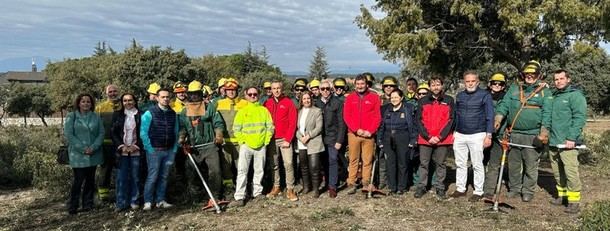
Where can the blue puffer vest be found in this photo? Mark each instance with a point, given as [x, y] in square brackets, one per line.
[162, 127]
[471, 112]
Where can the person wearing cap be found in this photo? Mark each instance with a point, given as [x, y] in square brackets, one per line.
[220, 90]
[152, 96]
[527, 109]
[362, 115]
[340, 86]
[568, 119]
[180, 92]
[497, 89]
[314, 88]
[266, 94]
[299, 86]
[228, 108]
[201, 134]
[284, 114]
[105, 111]
[473, 132]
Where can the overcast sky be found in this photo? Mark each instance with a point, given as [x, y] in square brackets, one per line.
[290, 30]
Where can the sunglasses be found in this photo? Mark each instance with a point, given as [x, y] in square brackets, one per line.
[422, 93]
[252, 94]
[299, 89]
[497, 83]
[325, 89]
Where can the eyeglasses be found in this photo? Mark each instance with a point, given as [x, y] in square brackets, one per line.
[325, 89]
[495, 83]
[252, 94]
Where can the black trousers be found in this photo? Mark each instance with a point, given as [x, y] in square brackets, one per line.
[396, 148]
[82, 176]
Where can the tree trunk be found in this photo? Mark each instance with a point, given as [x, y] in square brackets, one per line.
[44, 122]
[25, 121]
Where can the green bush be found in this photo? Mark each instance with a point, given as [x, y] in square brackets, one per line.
[28, 158]
[596, 217]
[598, 153]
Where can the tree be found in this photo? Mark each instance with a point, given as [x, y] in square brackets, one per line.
[41, 102]
[20, 102]
[449, 37]
[4, 95]
[318, 69]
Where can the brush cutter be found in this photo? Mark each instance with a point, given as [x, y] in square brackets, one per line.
[496, 199]
[215, 204]
[371, 190]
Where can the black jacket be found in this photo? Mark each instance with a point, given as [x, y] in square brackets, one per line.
[118, 122]
[402, 122]
[334, 126]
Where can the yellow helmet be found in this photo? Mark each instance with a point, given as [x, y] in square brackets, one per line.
[221, 82]
[231, 84]
[389, 81]
[207, 90]
[267, 84]
[153, 88]
[339, 82]
[423, 86]
[300, 82]
[314, 83]
[498, 76]
[532, 66]
[179, 87]
[195, 86]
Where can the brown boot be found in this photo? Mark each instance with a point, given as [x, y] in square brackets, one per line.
[274, 192]
[291, 195]
[573, 208]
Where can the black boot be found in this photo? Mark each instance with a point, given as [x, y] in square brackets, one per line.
[303, 163]
[314, 165]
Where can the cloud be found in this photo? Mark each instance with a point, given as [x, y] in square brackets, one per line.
[290, 30]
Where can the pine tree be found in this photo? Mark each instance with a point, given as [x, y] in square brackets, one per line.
[319, 66]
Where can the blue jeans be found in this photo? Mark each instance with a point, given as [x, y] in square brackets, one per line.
[159, 163]
[127, 191]
[333, 166]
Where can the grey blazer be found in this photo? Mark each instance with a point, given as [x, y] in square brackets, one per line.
[313, 128]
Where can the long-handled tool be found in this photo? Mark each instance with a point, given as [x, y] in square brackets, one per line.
[205, 185]
[496, 200]
[372, 190]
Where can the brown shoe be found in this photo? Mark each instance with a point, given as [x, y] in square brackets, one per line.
[457, 194]
[291, 195]
[274, 192]
[332, 193]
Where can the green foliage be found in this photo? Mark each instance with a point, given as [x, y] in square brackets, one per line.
[24, 99]
[598, 154]
[27, 157]
[449, 37]
[318, 69]
[596, 216]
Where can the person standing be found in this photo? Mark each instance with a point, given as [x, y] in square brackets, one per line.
[496, 87]
[435, 119]
[362, 115]
[473, 132]
[340, 86]
[397, 135]
[411, 92]
[284, 114]
[177, 104]
[201, 134]
[159, 135]
[84, 132]
[527, 108]
[266, 92]
[568, 119]
[334, 134]
[253, 129]
[105, 111]
[126, 138]
[152, 90]
[310, 143]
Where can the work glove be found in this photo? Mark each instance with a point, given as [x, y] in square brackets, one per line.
[497, 122]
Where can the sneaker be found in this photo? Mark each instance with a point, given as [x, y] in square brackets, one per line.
[147, 206]
[572, 208]
[274, 192]
[238, 203]
[135, 206]
[474, 198]
[164, 205]
[440, 194]
[291, 195]
[419, 192]
[457, 194]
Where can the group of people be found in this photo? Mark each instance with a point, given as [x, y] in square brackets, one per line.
[247, 144]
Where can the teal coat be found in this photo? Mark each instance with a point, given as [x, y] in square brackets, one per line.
[537, 114]
[569, 115]
[82, 131]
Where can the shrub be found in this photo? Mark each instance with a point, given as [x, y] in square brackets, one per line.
[596, 217]
[598, 153]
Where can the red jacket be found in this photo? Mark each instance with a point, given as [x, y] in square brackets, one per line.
[284, 115]
[362, 112]
[435, 117]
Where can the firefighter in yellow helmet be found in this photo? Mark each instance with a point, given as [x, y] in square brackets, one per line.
[422, 90]
[341, 88]
[152, 90]
[299, 86]
[266, 92]
[228, 108]
[201, 128]
[180, 92]
[220, 89]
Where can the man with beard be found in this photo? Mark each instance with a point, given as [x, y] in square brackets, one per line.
[474, 127]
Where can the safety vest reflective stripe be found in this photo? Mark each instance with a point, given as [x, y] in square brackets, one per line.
[573, 197]
[561, 191]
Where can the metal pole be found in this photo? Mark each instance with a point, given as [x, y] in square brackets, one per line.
[216, 207]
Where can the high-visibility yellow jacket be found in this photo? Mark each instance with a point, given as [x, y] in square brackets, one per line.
[253, 126]
[228, 108]
[105, 110]
[177, 105]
